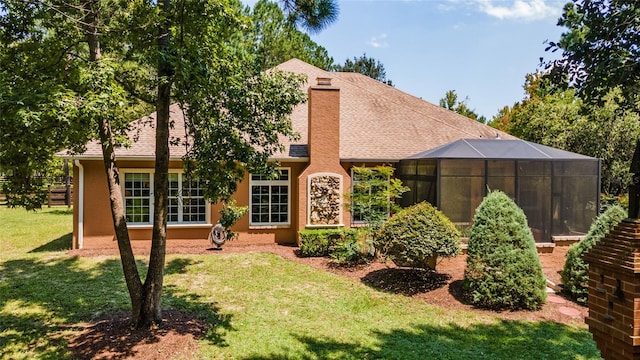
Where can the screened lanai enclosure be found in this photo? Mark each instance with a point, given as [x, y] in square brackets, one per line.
[558, 190]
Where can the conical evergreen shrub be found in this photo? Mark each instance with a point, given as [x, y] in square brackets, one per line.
[503, 268]
[575, 273]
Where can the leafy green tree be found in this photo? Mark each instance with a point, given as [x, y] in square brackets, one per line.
[503, 269]
[366, 66]
[450, 102]
[606, 132]
[85, 67]
[374, 193]
[600, 50]
[277, 40]
[575, 273]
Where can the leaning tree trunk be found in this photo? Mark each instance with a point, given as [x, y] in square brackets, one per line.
[132, 278]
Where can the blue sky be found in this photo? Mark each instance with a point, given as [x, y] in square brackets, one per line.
[482, 49]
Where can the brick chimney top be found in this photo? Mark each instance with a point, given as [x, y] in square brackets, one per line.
[324, 81]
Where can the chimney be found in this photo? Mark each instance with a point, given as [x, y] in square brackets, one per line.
[324, 124]
[322, 184]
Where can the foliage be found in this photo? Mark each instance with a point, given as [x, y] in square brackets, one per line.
[600, 50]
[311, 15]
[450, 101]
[417, 235]
[366, 66]
[352, 250]
[503, 269]
[605, 132]
[575, 273]
[277, 40]
[341, 244]
[42, 49]
[229, 215]
[86, 67]
[374, 194]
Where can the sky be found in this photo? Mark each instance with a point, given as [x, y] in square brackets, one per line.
[482, 49]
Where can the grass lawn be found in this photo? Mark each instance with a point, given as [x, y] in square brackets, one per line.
[258, 306]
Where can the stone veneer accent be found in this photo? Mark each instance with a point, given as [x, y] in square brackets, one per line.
[325, 199]
[614, 292]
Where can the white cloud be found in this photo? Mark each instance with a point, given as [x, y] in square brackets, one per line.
[379, 41]
[527, 10]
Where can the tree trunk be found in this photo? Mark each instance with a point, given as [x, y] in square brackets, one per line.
[152, 310]
[131, 275]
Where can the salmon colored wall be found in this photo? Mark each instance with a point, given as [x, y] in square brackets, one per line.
[266, 235]
[98, 226]
[97, 220]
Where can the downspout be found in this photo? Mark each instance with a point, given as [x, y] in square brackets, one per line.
[80, 203]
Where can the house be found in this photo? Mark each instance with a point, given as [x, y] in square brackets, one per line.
[349, 120]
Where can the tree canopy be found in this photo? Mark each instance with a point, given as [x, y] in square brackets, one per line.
[276, 39]
[366, 66]
[450, 101]
[600, 50]
[84, 69]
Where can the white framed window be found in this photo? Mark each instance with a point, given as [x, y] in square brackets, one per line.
[138, 197]
[270, 199]
[187, 204]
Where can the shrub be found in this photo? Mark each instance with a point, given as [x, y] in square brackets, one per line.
[352, 249]
[417, 235]
[575, 273]
[503, 268]
[320, 242]
[229, 215]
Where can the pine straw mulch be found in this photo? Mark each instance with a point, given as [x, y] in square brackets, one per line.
[112, 337]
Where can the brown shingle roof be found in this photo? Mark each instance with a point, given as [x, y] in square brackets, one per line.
[144, 142]
[378, 122]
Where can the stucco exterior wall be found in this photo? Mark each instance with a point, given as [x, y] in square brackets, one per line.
[97, 222]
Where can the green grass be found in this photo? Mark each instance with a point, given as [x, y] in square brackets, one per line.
[258, 306]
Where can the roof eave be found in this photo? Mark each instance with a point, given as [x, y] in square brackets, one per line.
[364, 160]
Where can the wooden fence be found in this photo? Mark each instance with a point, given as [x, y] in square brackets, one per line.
[56, 196]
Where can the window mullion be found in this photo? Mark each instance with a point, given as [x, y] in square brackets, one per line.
[180, 196]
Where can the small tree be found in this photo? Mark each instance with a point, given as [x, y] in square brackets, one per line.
[503, 269]
[575, 274]
[374, 193]
[372, 201]
[229, 216]
[416, 236]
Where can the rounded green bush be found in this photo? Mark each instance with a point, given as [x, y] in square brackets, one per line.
[503, 268]
[417, 235]
[575, 273]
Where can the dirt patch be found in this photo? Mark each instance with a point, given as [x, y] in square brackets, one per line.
[111, 338]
